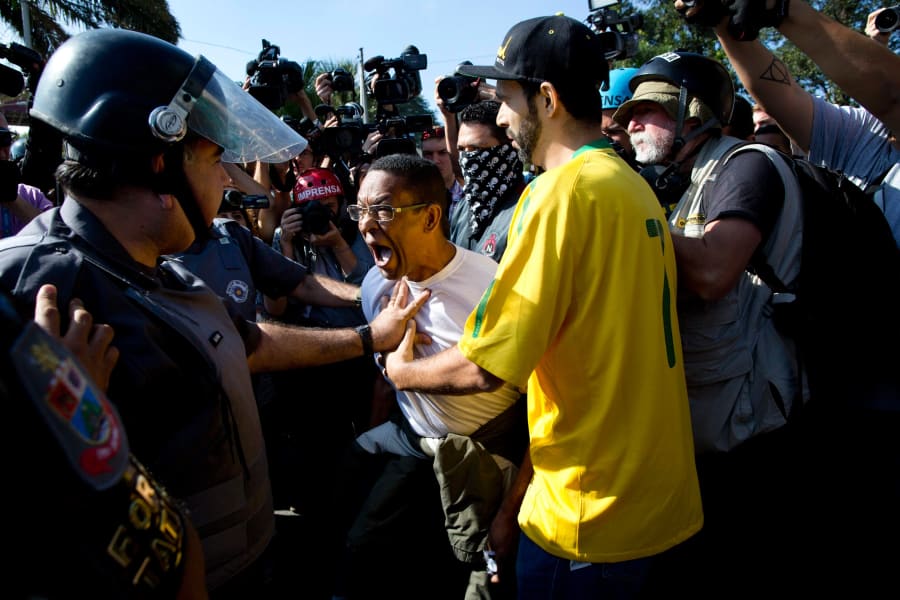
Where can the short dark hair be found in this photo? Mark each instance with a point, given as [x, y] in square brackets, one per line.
[484, 113]
[422, 176]
[580, 99]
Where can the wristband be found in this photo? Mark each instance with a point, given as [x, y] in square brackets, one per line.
[365, 335]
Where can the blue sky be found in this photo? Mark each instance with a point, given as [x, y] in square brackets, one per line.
[229, 32]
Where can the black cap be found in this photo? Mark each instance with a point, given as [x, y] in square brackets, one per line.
[557, 49]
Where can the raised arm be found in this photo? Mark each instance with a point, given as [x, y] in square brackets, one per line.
[863, 68]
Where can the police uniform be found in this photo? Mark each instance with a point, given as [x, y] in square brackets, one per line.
[181, 384]
[235, 264]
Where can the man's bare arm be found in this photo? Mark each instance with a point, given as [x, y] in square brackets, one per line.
[863, 68]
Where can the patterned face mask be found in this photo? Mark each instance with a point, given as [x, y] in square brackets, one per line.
[489, 174]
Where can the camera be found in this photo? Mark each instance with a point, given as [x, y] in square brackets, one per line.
[404, 83]
[350, 132]
[236, 199]
[457, 90]
[308, 129]
[887, 20]
[316, 217]
[342, 81]
[30, 61]
[617, 34]
[273, 78]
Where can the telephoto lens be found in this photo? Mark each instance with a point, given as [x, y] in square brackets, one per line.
[886, 21]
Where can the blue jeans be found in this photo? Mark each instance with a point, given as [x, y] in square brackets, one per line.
[542, 576]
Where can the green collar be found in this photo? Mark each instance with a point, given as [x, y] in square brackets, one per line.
[598, 144]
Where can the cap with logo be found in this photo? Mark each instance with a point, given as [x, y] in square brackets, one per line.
[617, 92]
[557, 49]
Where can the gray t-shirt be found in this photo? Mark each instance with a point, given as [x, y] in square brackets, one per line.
[852, 141]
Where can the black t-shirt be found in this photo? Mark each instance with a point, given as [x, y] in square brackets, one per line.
[748, 187]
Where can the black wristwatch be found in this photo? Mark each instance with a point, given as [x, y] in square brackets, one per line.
[365, 334]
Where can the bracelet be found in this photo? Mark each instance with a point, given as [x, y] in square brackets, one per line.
[365, 335]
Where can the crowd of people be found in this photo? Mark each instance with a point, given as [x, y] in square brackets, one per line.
[531, 358]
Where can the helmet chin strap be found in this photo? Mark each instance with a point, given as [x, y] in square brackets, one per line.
[680, 139]
[173, 180]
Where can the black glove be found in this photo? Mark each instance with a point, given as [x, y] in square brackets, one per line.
[706, 13]
[749, 16]
[9, 181]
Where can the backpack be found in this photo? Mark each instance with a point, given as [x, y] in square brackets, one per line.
[843, 311]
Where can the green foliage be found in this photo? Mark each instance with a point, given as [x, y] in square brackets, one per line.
[664, 30]
[49, 16]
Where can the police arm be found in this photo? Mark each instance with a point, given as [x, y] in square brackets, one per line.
[710, 266]
[322, 290]
[448, 372]
[282, 347]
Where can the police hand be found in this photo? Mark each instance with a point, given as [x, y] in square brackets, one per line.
[88, 342]
[390, 326]
[706, 13]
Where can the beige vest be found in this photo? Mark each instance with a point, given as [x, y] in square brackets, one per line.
[738, 367]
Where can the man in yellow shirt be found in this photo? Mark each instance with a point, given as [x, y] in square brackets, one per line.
[581, 310]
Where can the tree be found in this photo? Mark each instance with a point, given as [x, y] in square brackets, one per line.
[49, 16]
[663, 30]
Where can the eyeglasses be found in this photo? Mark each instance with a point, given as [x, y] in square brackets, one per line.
[380, 212]
[434, 132]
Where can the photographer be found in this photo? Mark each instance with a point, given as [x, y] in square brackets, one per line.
[860, 142]
[316, 233]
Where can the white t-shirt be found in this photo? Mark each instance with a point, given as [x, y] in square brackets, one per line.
[455, 291]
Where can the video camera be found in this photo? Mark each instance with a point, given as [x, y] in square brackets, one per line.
[404, 83]
[457, 90]
[617, 34]
[273, 78]
[351, 132]
[238, 200]
[31, 63]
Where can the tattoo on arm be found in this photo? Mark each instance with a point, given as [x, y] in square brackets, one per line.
[776, 72]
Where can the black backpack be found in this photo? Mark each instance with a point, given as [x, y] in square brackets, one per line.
[845, 317]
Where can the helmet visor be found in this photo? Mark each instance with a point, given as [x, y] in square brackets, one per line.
[229, 116]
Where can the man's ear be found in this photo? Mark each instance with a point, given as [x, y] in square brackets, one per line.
[548, 99]
[434, 214]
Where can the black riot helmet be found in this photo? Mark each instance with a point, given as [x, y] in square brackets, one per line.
[118, 97]
[702, 77]
[116, 91]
